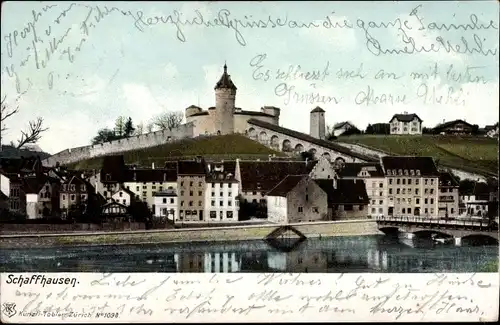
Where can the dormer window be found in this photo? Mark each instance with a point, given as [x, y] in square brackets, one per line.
[72, 187]
[412, 172]
[418, 172]
[400, 172]
[406, 172]
[108, 177]
[82, 188]
[135, 176]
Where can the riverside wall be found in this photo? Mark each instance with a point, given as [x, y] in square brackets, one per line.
[147, 140]
[366, 150]
[310, 229]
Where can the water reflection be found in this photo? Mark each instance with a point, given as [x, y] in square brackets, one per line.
[334, 254]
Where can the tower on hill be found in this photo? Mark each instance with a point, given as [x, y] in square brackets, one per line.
[317, 127]
[225, 98]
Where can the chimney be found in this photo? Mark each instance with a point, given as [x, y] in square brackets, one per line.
[270, 157]
[152, 165]
[307, 160]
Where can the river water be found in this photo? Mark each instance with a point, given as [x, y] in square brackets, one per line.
[328, 254]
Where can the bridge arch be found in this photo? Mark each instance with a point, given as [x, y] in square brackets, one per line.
[430, 232]
[299, 148]
[252, 133]
[263, 137]
[327, 156]
[339, 161]
[313, 151]
[479, 240]
[286, 146]
[275, 142]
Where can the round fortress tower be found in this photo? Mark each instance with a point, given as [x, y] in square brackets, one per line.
[225, 98]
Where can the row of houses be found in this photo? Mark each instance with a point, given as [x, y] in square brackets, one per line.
[200, 191]
[411, 124]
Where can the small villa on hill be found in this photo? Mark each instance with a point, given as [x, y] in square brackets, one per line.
[340, 128]
[406, 124]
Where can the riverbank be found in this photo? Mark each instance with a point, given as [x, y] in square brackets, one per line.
[309, 229]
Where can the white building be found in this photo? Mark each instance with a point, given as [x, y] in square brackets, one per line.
[375, 182]
[221, 195]
[123, 196]
[4, 185]
[405, 124]
[166, 205]
[342, 127]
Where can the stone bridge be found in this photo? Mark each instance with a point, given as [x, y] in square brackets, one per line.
[448, 228]
[287, 140]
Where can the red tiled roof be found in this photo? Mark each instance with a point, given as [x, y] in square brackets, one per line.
[286, 185]
[264, 175]
[426, 165]
[350, 192]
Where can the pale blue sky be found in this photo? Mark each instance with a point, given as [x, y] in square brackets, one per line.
[127, 68]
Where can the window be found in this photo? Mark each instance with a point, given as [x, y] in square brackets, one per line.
[144, 193]
[403, 210]
[390, 191]
[229, 203]
[315, 210]
[452, 210]
[398, 191]
[373, 210]
[182, 193]
[64, 197]
[409, 181]
[120, 194]
[221, 203]
[190, 193]
[105, 193]
[417, 182]
[390, 181]
[381, 185]
[182, 183]
[404, 181]
[361, 207]
[199, 203]
[72, 197]
[416, 191]
[200, 193]
[380, 202]
[213, 215]
[426, 181]
[190, 184]
[190, 203]
[221, 194]
[432, 201]
[182, 203]
[432, 191]
[213, 203]
[137, 188]
[254, 193]
[229, 214]
[307, 197]
[380, 210]
[171, 201]
[229, 194]
[425, 201]
[398, 181]
[300, 209]
[199, 184]
[164, 200]
[144, 187]
[221, 214]
[213, 193]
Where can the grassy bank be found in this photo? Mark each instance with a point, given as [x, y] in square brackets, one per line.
[479, 154]
[230, 146]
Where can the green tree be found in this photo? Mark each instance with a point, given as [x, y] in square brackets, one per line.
[129, 128]
[139, 129]
[104, 135]
[369, 129]
[120, 126]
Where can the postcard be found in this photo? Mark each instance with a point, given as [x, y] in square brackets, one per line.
[249, 162]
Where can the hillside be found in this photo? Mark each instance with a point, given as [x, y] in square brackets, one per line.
[474, 154]
[214, 147]
[12, 152]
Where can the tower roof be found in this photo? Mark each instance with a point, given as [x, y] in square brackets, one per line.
[225, 81]
[318, 110]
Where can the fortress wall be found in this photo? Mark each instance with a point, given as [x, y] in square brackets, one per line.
[113, 147]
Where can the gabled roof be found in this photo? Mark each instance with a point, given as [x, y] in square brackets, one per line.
[405, 117]
[353, 169]
[225, 81]
[447, 179]
[425, 165]
[318, 110]
[33, 185]
[341, 124]
[191, 167]
[126, 190]
[263, 175]
[252, 113]
[305, 137]
[350, 192]
[286, 185]
[327, 186]
[451, 123]
[141, 175]
[200, 113]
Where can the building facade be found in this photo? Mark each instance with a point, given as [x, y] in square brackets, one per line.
[449, 198]
[406, 124]
[412, 184]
